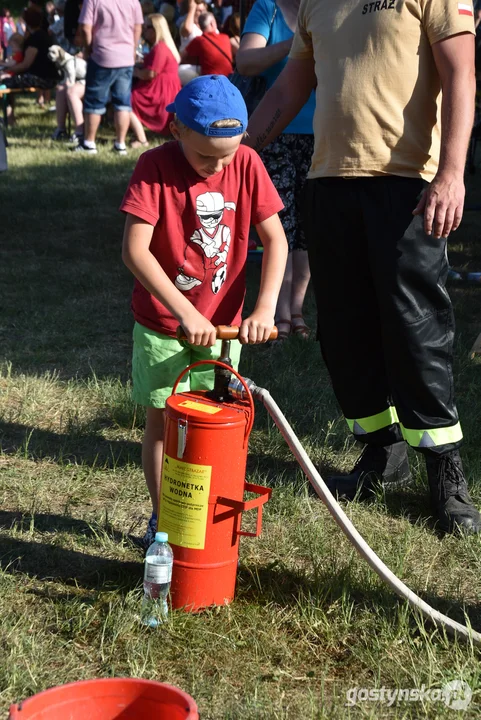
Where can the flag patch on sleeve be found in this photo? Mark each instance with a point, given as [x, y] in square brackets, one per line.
[464, 9]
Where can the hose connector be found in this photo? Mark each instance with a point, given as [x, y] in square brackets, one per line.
[237, 390]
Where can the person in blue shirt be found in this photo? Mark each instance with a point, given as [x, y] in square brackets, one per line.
[265, 45]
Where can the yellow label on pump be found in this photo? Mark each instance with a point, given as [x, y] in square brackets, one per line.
[201, 407]
[184, 502]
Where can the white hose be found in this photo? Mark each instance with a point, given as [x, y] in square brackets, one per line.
[350, 531]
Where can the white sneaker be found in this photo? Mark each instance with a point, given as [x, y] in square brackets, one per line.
[81, 148]
[119, 150]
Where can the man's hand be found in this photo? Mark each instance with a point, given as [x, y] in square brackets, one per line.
[442, 204]
[256, 328]
[198, 330]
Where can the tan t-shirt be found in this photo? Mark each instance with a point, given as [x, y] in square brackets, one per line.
[378, 90]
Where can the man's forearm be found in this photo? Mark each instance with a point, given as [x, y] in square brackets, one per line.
[457, 114]
[442, 203]
[281, 103]
[272, 115]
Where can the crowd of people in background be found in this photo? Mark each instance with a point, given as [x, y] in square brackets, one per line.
[131, 57]
[138, 57]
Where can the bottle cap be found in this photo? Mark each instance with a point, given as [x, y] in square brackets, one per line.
[161, 537]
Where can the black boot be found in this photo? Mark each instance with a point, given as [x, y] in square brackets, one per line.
[387, 466]
[449, 494]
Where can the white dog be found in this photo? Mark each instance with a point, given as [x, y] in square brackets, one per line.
[72, 67]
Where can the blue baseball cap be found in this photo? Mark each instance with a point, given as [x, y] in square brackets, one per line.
[207, 99]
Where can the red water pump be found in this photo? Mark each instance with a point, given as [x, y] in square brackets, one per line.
[203, 484]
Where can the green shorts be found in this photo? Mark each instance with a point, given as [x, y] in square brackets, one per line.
[158, 360]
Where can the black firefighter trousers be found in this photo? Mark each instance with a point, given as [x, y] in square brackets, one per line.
[385, 320]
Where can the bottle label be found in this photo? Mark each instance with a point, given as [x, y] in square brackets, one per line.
[158, 573]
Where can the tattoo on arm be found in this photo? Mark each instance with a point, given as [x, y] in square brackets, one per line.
[260, 139]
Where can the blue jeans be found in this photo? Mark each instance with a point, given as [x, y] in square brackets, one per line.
[103, 83]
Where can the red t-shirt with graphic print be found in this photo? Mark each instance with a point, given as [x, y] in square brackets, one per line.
[201, 230]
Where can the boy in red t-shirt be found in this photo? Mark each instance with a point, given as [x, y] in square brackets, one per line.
[190, 205]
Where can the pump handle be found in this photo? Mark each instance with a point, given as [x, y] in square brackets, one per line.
[225, 332]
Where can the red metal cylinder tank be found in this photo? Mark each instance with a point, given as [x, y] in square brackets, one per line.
[202, 495]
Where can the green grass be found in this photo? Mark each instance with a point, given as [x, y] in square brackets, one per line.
[310, 620]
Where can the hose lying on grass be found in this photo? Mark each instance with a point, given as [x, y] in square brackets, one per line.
[348, 528]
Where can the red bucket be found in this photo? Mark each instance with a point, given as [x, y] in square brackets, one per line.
[109, 699]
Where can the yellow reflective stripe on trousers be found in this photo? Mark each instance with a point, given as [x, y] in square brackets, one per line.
[433, 437]
[362, 426]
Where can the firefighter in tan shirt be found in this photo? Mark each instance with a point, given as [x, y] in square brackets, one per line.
[385, 190]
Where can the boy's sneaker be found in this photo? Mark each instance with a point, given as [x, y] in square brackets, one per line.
[120, 148]
[59, 134]
[149, 536]
[85, 149]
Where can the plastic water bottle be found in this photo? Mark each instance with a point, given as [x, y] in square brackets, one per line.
[157, 576]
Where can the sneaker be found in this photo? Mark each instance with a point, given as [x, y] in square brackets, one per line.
[149, 536]
[119, 149]
[375, 467]
[82, 148]
[59, 134]
[449, 494]
[76, 139]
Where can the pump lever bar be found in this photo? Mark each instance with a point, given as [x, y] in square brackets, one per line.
[225, 332]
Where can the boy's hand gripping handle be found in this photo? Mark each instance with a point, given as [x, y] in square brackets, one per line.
[225, 332]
